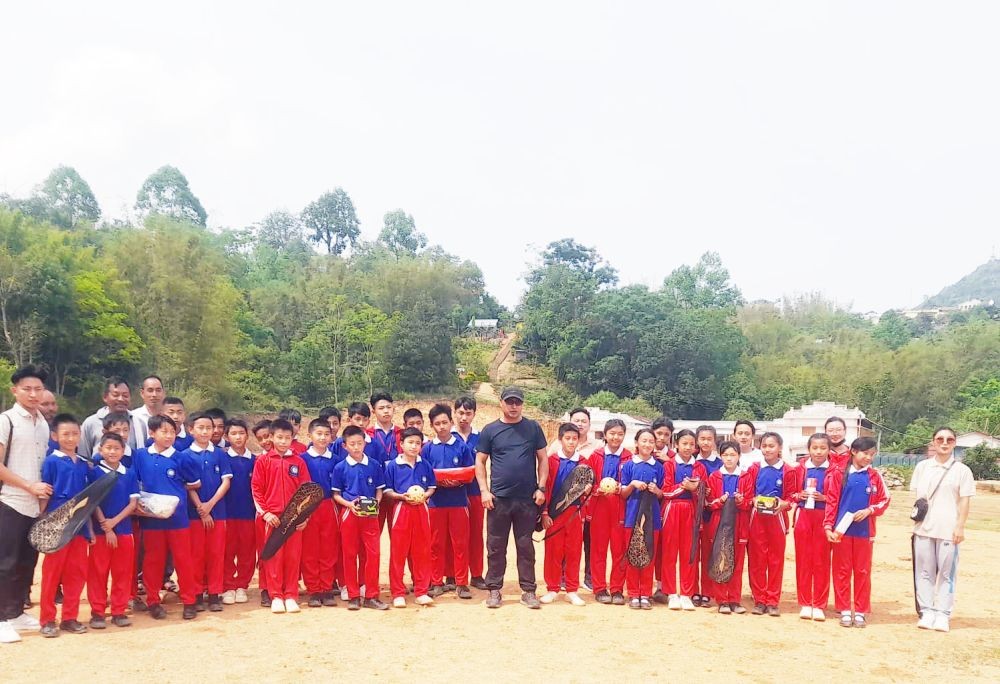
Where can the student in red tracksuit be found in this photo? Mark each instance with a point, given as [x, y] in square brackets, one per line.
[681, 477]
[663, 430]
[772, 484]
[728, 481]
[812, 548]
[261, 433]
[241, 547]
[856, 497]
[704, 589]
[409, 482]
[321, 538]
[465, 412]
[564, 534]
[607, 517]
[275, 478]
[640, 475]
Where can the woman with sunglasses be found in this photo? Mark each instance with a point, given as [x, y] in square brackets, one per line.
[947, 486]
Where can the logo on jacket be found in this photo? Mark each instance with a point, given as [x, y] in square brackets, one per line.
[171, 472]
[293, 470]
[868, 490]
[778, 481]
[455, 460]
[370, 480]
[217, 469]
[423, 478]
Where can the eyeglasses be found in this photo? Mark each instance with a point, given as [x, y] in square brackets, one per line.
[944, 440]
[513, 402]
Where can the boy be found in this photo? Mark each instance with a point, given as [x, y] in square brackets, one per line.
[410, 533]
[607, 517]
[449, 506]
[384, 432]
[207, 512]
[465, 413]
[321, 538]
[218, 418]
[359, 415]
[67, 567]
[173, 408]
[565, 542]
[261, 433]
[414, 418]
[118, 424]
[241, 550]
[332, 416]
[161, 469]
[275, 478]
[113, 551]
[294, 416]
[358, 475]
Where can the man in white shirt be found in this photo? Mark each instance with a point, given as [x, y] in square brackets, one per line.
[117, 399]
[152, 395]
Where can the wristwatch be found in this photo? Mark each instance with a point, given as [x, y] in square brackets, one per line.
[540, 490]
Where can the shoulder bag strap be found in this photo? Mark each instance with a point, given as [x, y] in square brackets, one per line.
[938, 485]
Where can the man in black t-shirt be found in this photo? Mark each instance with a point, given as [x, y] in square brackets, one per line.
[518, 473]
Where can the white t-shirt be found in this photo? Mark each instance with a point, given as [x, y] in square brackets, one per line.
[749, 458]
[29, 440]
[942, 510]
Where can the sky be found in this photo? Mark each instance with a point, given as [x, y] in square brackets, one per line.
[847, 148]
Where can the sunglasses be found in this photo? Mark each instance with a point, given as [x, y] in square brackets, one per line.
[513, 401]
[944, 440]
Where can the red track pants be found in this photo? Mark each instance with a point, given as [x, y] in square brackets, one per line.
[66, 567]
[675, 539]
[639, 582]
[766, 548]
[449, 545]
[852, 556]
[208, 548]
[564, 543]
[703, 583]
[241, 554]
[409, 540]
[476, 539]
[812, 559]
[114, 562]
[320, 548]
[260, 534]
[359, 534]
[732, 591]
[607, 533]
[157, 542]
[282, 569]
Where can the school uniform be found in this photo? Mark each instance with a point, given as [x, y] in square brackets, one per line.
[678, 523]
[241, 553]
[351, 480]
[115, 562]
[275, 478]
[449, 511]
[126, 459]
[766, 545]
[477, 514]
[812, 548]
[703, 584]
[852, 555]
[662, 455]
[298, 448]
[607, 523]
[723, 482]
[640, 581]
[208, 546]
[321, 538]
[840, 459]
[410, 526]
[388, 440]
[182, 441]
[67, 566]
[564, 540]
[167, 473]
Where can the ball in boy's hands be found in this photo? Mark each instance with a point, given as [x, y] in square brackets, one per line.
[415, 493]
[609, 485]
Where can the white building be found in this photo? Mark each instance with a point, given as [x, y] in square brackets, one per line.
[967, 440]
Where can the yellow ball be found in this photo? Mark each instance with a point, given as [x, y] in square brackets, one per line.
[609, 485]
[414, 492]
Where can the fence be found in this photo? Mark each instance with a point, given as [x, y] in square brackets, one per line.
[905, 460]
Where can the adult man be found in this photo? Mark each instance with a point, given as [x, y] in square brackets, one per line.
[48, 406]
[152, 395]
[580, 417]
[24, 436]
[519, 471]
[118, 399]
[840, 452]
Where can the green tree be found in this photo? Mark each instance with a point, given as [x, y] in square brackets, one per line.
[280, 230]
[892, 330]
[702, 286]
[64, 198]
[400, 235]
[332, 221]
[166, 193]
[419, 356]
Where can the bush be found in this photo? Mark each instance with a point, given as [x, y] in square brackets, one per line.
[555, 401]
[983, 462]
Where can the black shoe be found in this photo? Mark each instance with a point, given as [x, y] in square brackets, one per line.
[138, 604]
[28, 605]
[706, 602]
[59, 595]
[315, 601]
[97, 622]
[494, 599]
[157, 612]
[328, 598]
[336, 588]
[354, 604]
[120, 621]
[618, 599]
[376, 604]
[449, 584]
[265, 599]
[435, 591]
[199, 604]
[73, 626]
[773, 611]
[696, 599]
[171, 586]
[529, 599]
[463, 592]
[214, 603]
[49, 630]
[141, 591]
[603, 597]
[191, 612]
[478, 583]
[660, 597]
[759, 609]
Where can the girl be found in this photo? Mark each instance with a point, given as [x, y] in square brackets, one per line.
[812, 549]
[681, 476]
[854, 498]
[607, 515]
[706, 437]
[663, 430]
[722, 484]
[641, 475]
[772, 484]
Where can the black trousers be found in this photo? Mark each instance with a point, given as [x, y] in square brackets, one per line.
[507, 514]
[17, 561]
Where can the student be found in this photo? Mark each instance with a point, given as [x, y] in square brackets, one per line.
[563, 536]
[772, 484]
[294, 416]
[358, 476]
[218, 417]
[275, 478]
[607, 517]
[384, 432]
[706, 438]
[112, 553]
[241, 548]
[332, 416]
[465, 413]
[727, 482]
[410, 529]
[682, 475]
[642, 473]
[743, 433]
[449, 506]
[812, 548]
[856, 497]
[261, 433]
[414, 418]
[948, 488]
[321, 538]
[359, 415]
[840, 451]
[116, 423]
[173, 408]
[663, 430]
[67, 474]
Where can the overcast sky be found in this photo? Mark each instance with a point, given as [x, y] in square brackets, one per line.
[847, 147]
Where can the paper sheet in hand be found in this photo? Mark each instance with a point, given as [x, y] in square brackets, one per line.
[845, 522]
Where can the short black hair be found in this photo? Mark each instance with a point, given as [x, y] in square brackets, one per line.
[115, 417]
[173, 401]
[200, 415]
[412, 413]
[863, 444]
[835, 419]
[156, 422]
[282, 424]
[352, 431]
[566, 428]
[380, 396]
[319, 423]
[215, 413]
[236, 422]
[62, 419]
[728, 444]
[112, 437]
[615, 423]
[579, 409]
[466, 402]
[261, 425]
[328, 412]
[438, 410]
[753, 430]
[359, 408]
[662, 421]
[29, 371]
[151, 377]
[411, 432]
[291, 415]
[114, 381]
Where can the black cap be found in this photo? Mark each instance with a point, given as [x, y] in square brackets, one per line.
[511, 392]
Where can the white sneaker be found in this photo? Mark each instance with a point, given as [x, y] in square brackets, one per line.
[674, 602]
[25, 623]
[241, 596]
[292, 606]
[926, 620]
[941, 623]
[424, 600]
[277, 606]
[344, 596]
[819, 615]
[806, 613]
[548, 597]
[400, 602]
[575, 599]
[8, 635]
[686, 603]
[229, 597]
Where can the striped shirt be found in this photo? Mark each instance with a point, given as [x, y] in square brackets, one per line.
[28, 437]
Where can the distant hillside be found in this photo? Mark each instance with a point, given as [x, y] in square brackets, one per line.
[982, 284]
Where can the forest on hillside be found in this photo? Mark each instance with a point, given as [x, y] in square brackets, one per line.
[298, 310]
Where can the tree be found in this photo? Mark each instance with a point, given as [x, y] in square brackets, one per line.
[333, 221]
[570, 253]
[69, 196]
[400, 235]
[166, 192]
[419, 356]
[704, 286]
[892, 330]
[280, 229]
